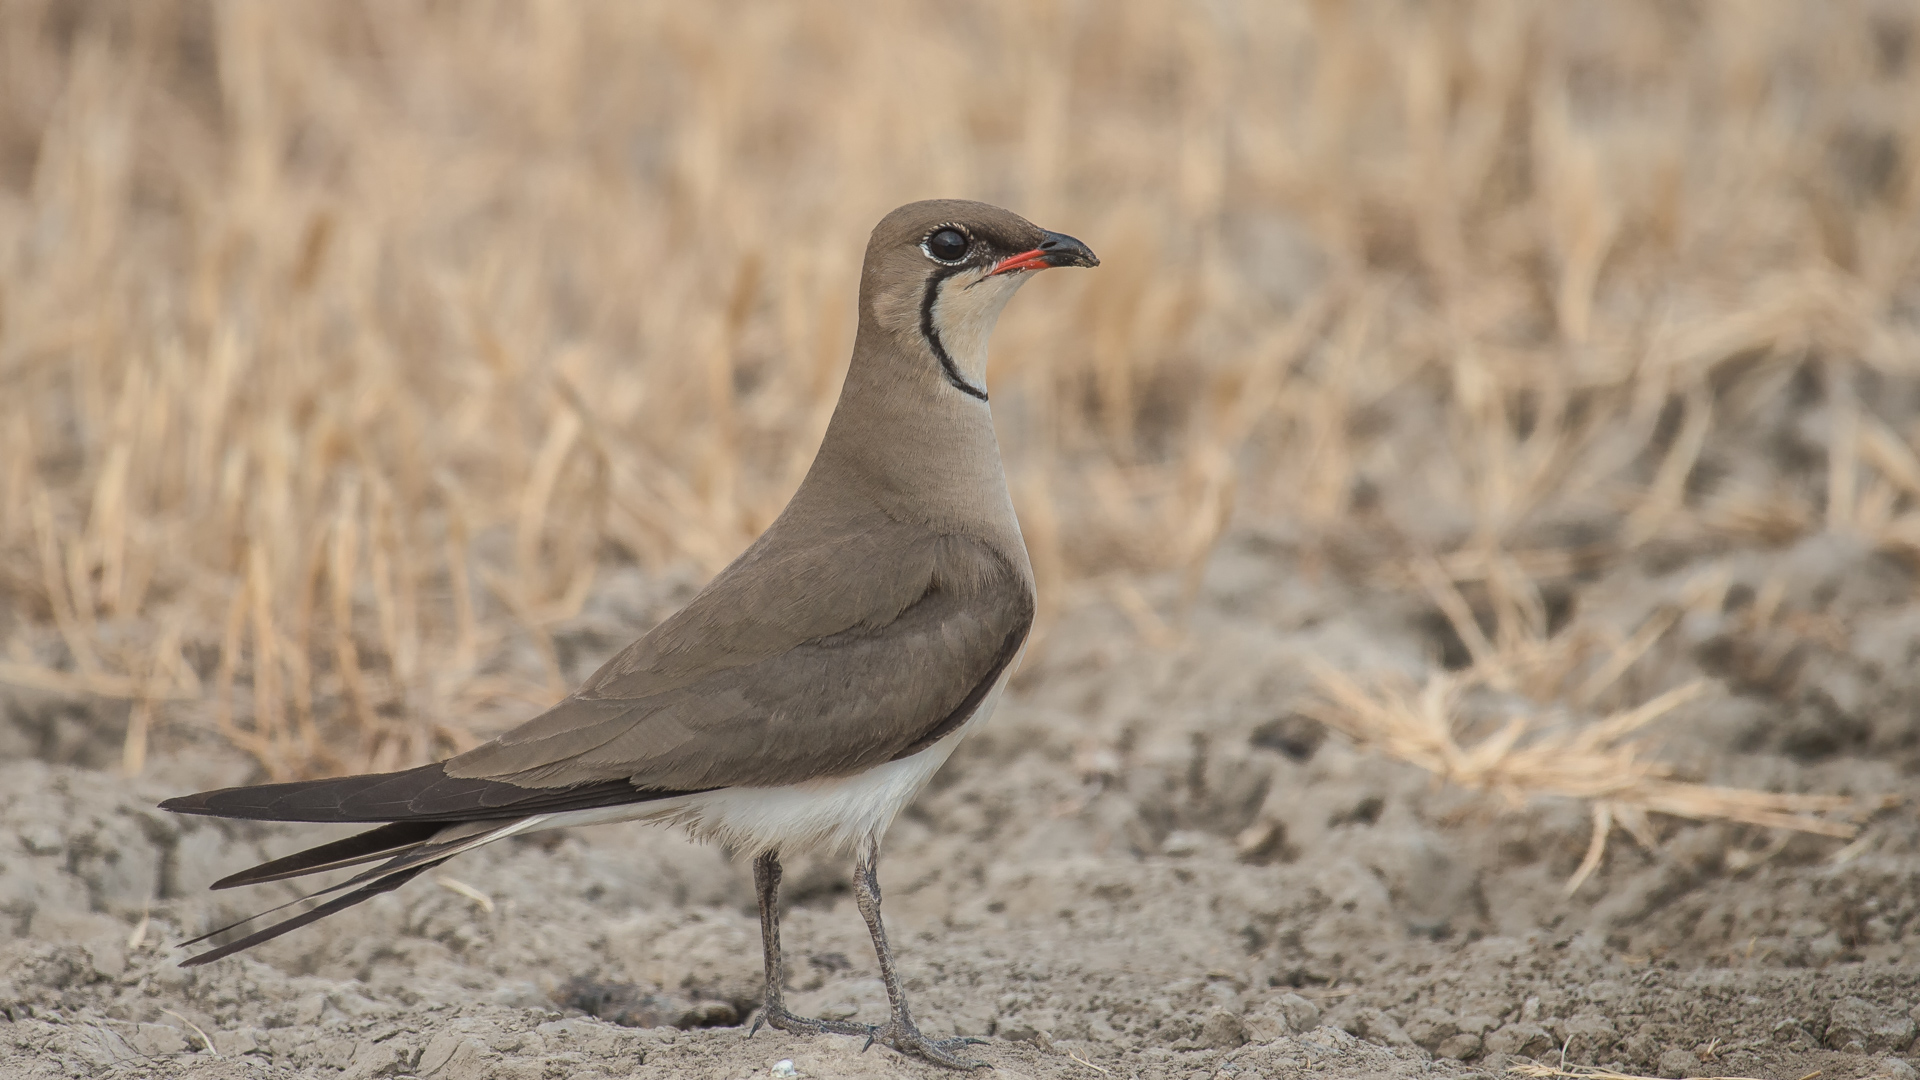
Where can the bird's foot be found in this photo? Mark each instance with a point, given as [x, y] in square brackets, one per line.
[900, 1034]
[778, 1018]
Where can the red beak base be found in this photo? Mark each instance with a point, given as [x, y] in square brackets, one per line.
[1026, 260]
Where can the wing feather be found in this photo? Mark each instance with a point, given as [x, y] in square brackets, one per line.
[890, 677]
[350, 851]
[424, 794]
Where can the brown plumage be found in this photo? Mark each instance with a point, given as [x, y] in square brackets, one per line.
[816, 683]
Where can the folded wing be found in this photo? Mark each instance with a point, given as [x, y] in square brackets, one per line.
[702, 703]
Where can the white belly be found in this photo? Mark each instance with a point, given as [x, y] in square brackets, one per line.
[845, 814]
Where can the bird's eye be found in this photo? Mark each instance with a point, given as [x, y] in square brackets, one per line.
[947, 244]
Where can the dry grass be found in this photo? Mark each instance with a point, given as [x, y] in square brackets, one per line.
[342, 345]
[1520, 720]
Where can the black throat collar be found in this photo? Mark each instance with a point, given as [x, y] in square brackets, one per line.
[932, 333]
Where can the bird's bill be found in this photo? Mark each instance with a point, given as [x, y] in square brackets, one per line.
[1058, 249]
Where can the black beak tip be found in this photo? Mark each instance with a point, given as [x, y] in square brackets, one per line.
[1064, 250]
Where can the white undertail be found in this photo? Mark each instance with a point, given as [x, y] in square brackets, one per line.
[843, 815]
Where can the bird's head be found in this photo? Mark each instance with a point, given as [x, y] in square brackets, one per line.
[937, 274]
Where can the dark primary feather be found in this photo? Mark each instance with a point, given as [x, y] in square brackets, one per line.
[425, 794]
[350, 851]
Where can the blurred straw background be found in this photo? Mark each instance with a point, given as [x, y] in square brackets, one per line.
[344, 345]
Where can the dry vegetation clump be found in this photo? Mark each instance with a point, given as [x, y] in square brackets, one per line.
[342, 345]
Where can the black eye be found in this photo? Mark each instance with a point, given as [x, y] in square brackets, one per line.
[947, 245]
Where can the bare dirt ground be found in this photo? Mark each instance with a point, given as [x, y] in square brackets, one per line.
[1148, 865]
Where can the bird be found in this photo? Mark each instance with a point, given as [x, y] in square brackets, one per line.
[813, 687]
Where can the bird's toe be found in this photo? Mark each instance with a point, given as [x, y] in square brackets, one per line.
[778, 1018]
[904, 1037]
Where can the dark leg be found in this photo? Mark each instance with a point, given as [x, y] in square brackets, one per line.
[773, 1013]
[898, 1032]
